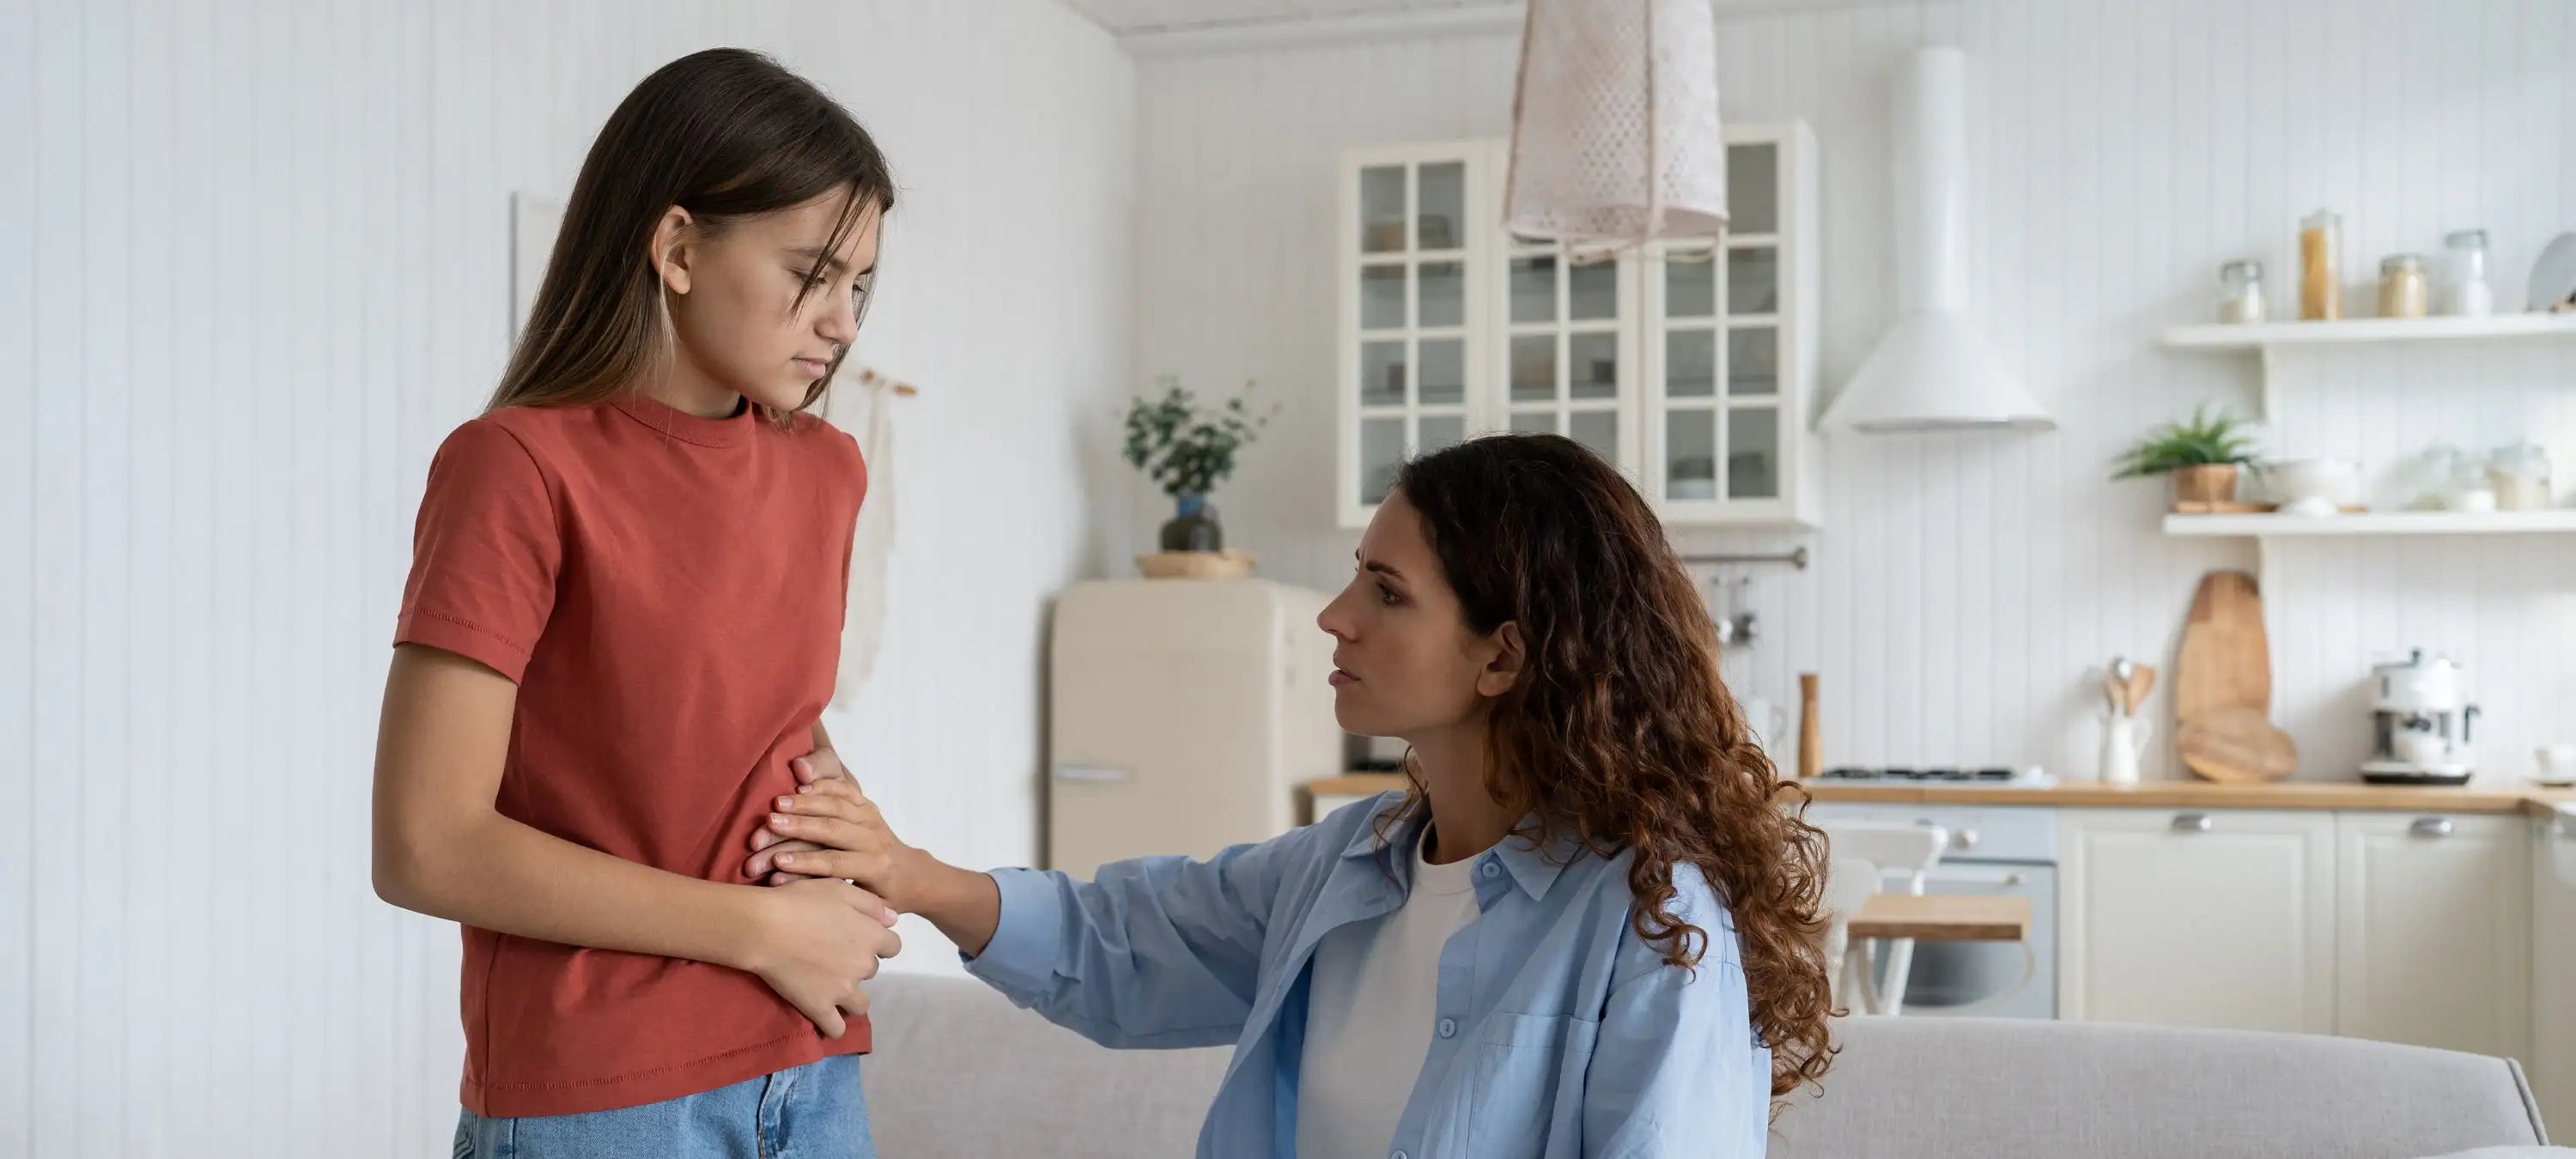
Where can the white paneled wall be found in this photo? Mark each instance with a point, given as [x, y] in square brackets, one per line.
[254, 266]
[1965, 586]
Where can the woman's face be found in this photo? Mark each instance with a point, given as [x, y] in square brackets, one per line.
[740, 328]
[1405, 662]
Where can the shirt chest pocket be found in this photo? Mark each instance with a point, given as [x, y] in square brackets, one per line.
[1520, 1086]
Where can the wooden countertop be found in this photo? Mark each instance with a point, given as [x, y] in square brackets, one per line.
[1943, 918]
[1356, 784]
[2531, 801]
[2528, 800]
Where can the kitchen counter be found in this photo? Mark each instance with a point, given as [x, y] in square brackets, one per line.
[2528, 800]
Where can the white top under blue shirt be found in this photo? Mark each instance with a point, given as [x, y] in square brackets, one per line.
[1559, 1032]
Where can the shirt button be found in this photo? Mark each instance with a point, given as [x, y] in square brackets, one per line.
[1491, 869]
[1448, 1028]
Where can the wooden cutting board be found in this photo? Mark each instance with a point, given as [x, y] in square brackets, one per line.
[2237, 745]
[2225, 661]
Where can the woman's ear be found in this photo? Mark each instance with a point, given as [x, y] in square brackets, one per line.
[1508, 654]
[670, 256]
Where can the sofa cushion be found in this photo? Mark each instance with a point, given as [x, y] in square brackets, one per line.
[1934, 1088]
[959, 1071]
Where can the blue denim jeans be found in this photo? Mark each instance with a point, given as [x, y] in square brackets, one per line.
[815, 1111]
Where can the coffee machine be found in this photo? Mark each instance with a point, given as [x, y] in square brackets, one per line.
[2422, 718]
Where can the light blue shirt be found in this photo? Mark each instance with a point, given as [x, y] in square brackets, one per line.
[1560, 1033]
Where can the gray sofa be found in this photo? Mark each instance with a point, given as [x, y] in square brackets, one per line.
[959, 1072]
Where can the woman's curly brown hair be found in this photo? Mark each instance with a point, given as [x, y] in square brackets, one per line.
[1620, 733]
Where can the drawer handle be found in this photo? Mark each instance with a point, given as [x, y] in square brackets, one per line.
[1090, 773]
[2430, 827]
[2193, 822]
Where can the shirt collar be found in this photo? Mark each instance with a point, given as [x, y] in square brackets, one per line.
[1533, 868]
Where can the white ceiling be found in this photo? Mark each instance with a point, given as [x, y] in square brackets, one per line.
[1147, 17]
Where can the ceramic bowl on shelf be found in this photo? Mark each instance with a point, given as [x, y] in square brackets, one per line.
[2289, 481]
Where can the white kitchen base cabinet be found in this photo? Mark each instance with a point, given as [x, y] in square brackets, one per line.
[2552, 1060]
[2221, 918]
[2432, 931]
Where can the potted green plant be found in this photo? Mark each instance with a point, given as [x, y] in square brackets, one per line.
[1187, 450]
[2204, 454]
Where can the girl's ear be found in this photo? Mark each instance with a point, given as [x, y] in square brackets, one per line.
[670, 256]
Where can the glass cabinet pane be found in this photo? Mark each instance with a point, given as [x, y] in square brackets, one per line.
[1381, 453]
[1382, 209]
[1753, 453]
[1690, 286]
[1690, 454]
[1753, 361]
[1534, 289]
[1443, 290]
[1381, 374]
[1381, 297]
[1533, 367]
[1534, 422]
[1597, 429]
[1442, 431]
[1592, 291]
[1753, 281]
[1592, 364]
[1440, 199]
[1444, 371]
[1690, 363]
[1752, 188]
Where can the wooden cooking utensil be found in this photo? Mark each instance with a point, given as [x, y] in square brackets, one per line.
[1811, 731]
[2133, 693]
[2236, 744]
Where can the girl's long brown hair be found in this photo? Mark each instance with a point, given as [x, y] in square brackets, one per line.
[725, 134]
[1620, 733]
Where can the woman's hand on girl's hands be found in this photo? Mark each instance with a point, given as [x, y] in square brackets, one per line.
[820, 765]
[855, 842]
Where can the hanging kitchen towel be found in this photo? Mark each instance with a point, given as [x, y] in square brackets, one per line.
[863, 623]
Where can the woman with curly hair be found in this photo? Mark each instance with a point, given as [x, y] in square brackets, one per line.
[1588, 928]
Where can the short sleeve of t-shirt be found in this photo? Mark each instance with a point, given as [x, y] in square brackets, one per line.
[484, 553]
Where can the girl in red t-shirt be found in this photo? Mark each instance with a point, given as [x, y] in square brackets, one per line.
[618, 636]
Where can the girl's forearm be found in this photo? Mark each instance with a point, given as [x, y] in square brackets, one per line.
[501, 875]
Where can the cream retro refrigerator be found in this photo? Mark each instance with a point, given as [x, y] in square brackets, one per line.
[1183, 715]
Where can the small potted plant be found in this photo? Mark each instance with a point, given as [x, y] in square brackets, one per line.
[2204, 454]
[1187, 450]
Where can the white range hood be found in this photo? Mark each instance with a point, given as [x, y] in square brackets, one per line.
[1933, 370]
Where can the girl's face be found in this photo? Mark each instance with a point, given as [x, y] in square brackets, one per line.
[1405, 662]
[733, 298]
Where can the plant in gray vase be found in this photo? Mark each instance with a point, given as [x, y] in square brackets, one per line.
[1187, 450]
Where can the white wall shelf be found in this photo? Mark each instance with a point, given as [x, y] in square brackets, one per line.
[2275, 341]
[2267, 335]
[2558, 522]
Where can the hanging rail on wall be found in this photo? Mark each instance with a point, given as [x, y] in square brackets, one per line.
[1796, 558]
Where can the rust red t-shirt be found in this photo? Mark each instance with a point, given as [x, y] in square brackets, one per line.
[667, 591]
